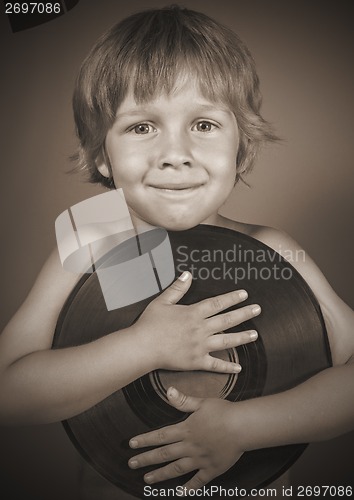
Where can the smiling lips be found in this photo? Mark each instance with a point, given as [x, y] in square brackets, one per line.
[175, 187]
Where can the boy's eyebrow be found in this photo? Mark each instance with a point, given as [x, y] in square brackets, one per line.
[211, 107]
[198, 107]
[131, 112]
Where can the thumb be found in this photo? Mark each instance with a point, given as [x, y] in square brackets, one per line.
[179, 287]
[182, 402]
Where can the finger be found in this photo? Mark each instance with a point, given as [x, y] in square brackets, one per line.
[232, 318]
[158, 437]
[174, 469]
[217, 365]
[175, 292]
[158, 455]
[227, 340]
[213, 305]
[198, 481]
[182, 402]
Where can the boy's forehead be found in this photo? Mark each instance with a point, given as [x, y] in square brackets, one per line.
[184, 90]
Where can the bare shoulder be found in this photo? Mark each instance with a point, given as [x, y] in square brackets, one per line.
[33, 325]
[290, 250]
[287, 247]
[274, 238]
[339, 318]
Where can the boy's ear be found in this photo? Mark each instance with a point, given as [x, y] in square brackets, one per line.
[103, 164]
[104, 170]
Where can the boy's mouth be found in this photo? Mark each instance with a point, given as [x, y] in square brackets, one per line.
[169, 187]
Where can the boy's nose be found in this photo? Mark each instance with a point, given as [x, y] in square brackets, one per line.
[175, 152]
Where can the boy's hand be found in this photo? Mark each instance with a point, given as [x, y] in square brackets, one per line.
[203, 442]
[180, 337]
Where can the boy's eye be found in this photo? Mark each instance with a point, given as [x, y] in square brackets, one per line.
[143, 128]
[204, 126]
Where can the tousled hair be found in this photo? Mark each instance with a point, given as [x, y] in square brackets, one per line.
[146, 53]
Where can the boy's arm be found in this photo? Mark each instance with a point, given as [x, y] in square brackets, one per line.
[218, 432]
[320, 408]
[38, 384]
[41, 385]
[338, 316]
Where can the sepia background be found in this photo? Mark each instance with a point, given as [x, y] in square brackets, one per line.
[304, 185]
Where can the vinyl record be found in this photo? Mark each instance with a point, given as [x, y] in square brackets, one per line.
[291, 347]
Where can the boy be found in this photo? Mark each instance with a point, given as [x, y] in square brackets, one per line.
[170, 130]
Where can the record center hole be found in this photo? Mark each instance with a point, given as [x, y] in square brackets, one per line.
[200, 384]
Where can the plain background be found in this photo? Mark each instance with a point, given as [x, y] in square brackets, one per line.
[304, 54]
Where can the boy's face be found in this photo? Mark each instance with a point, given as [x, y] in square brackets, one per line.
[174, 157]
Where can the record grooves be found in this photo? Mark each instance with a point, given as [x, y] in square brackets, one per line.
[292, 346]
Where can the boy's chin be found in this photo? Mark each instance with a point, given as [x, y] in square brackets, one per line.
[180, 225]
[171, 222]
[167, 223]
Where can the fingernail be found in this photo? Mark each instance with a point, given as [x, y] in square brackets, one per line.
[243, 294]
[148, 478]
[256, 310]
[237, 368]
[172, 392]
[184, 276]
[133, 443]
[253, 335]
[133, 464]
